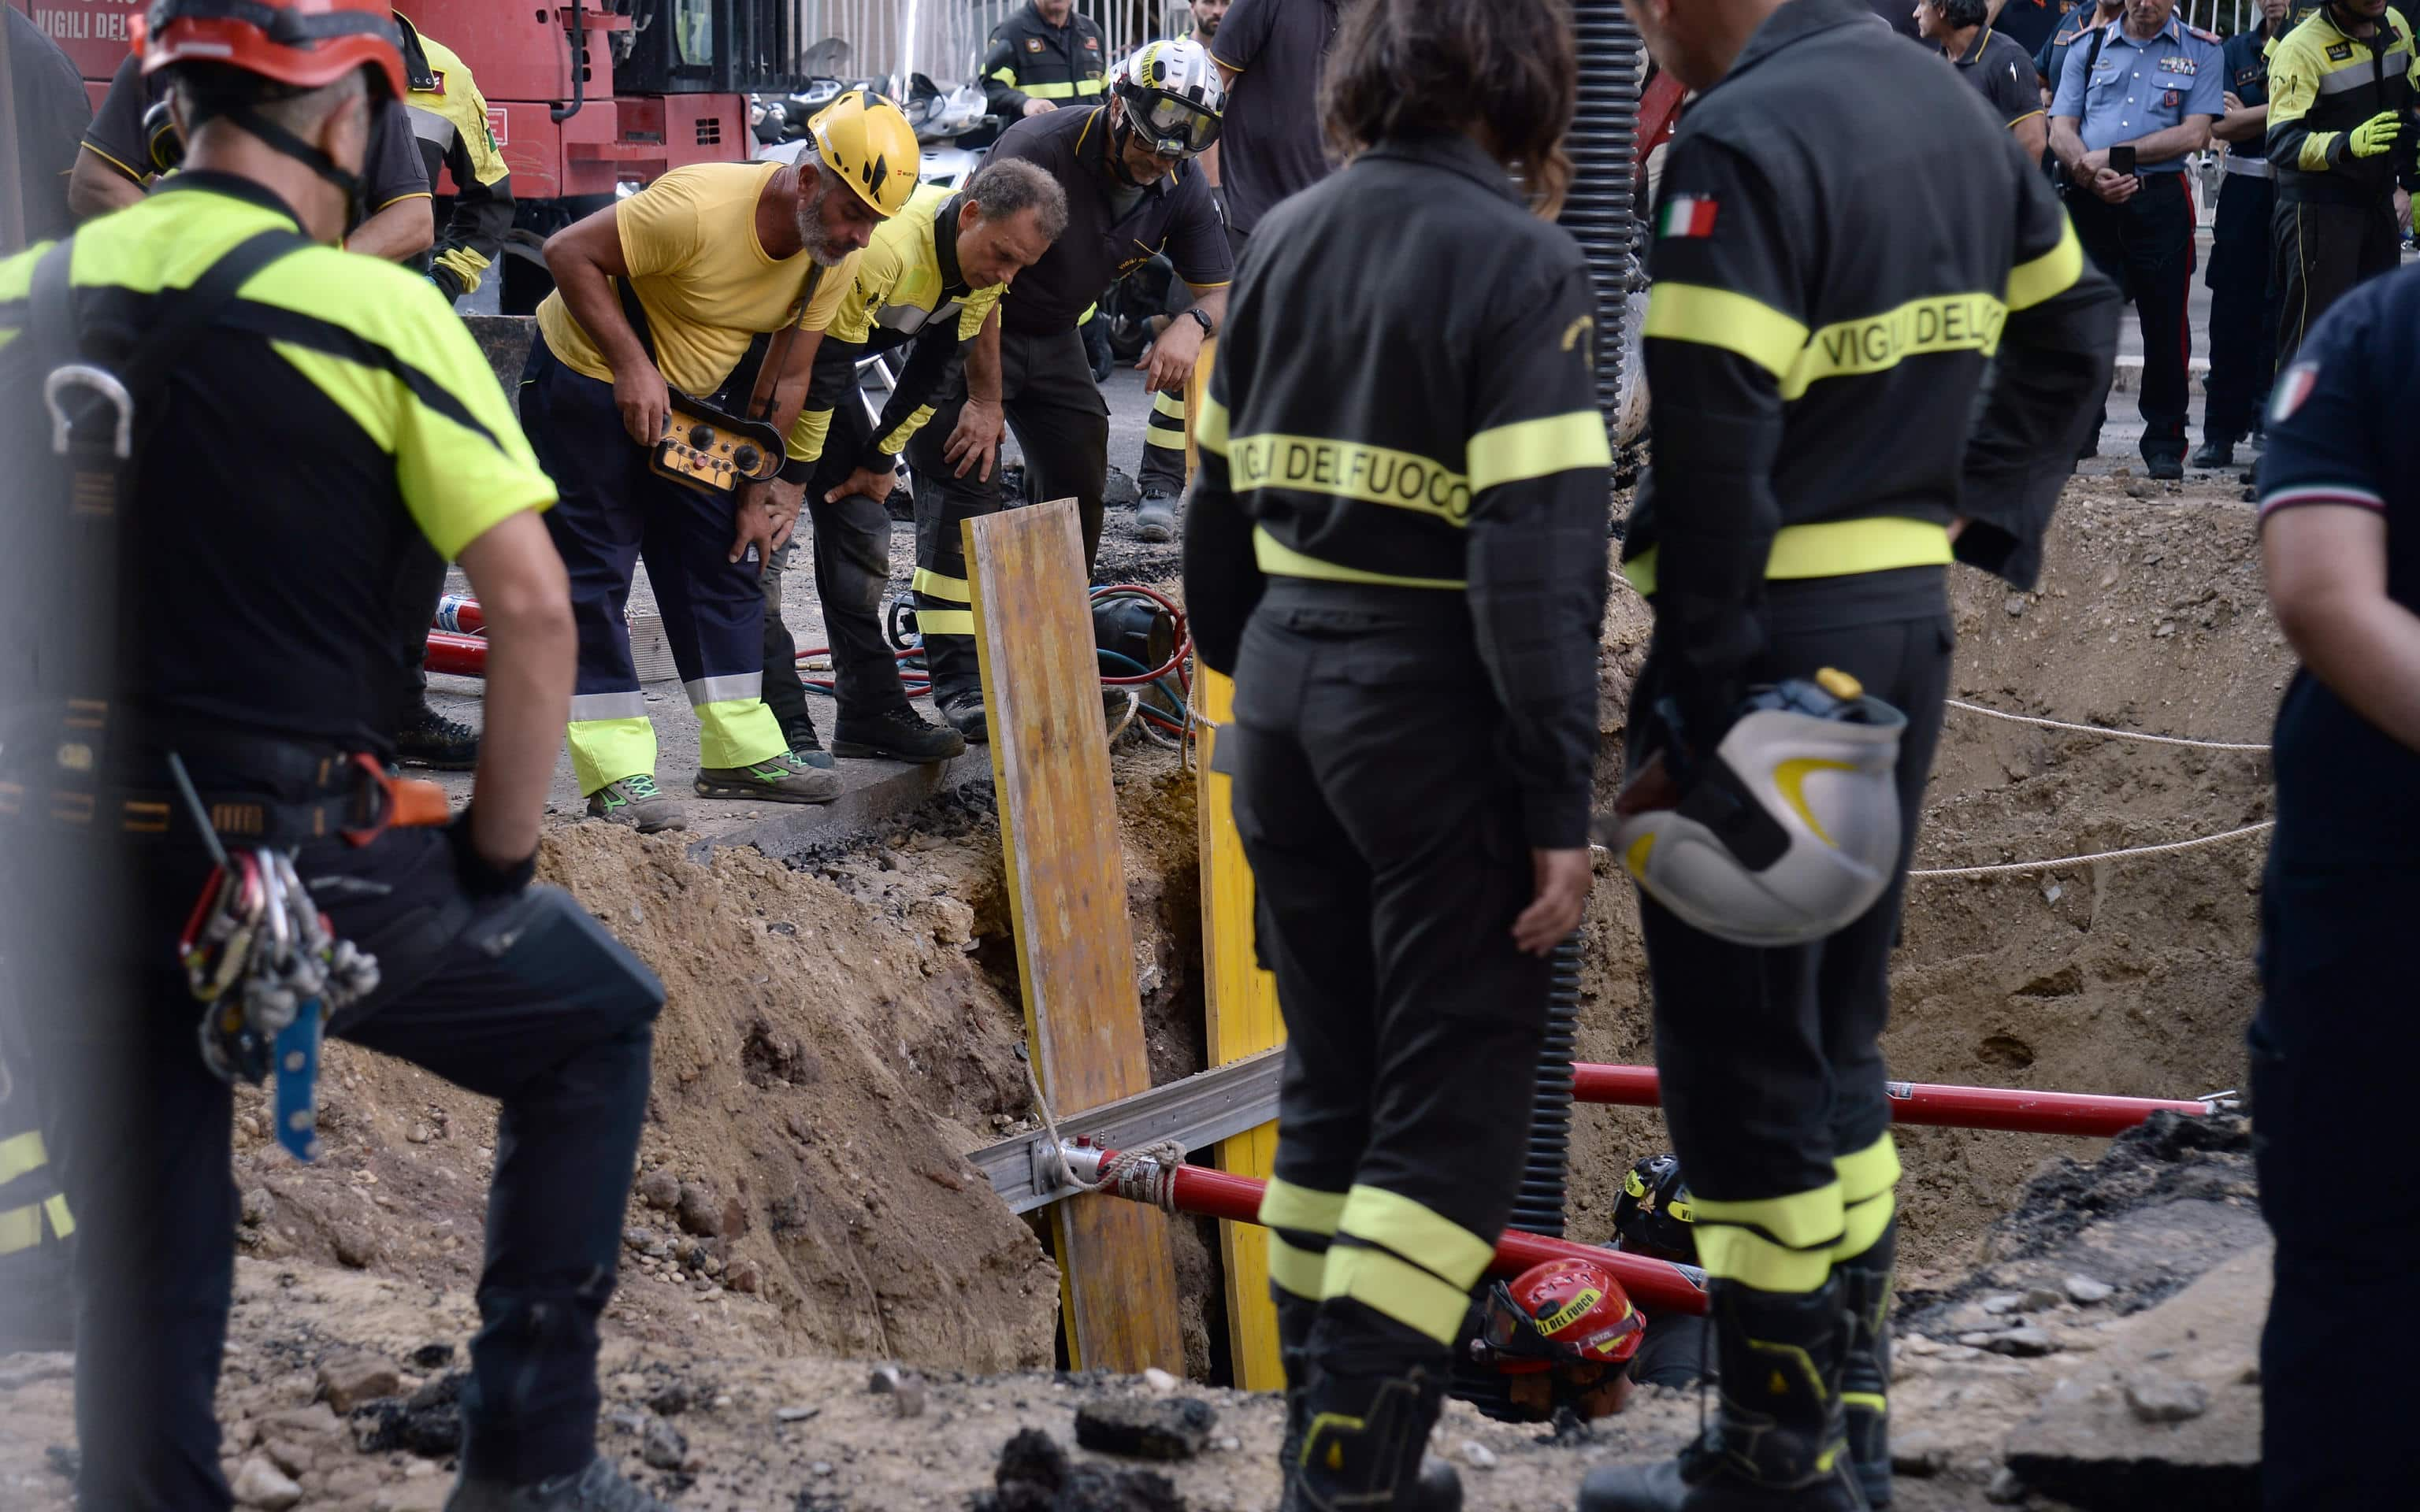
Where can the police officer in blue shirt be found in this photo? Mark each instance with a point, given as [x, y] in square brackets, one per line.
[2051, 60]
[2146, 88]
[2243, 271]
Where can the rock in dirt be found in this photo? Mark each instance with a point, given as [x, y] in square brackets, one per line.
[432, 1356]
[2006, 1301]
[263, 1485]
[702, 1213]
[2023, 1343]
[1034, 1476]
[1919, 1453]
[356, 1249]
[672, 1398]
[2085, 1292]
[348, 1381]
[2157, 1398]
[662, 1446]
[2041, 1299]
[659, 1189]
[1174, 1427]
[429, 1423]
[2005, 1490]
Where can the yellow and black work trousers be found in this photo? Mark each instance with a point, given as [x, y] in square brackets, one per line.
[1771, 1058]
[1061, 425]
[615, 511]
[2323, 250]
[1163, 446]
[1386, 847]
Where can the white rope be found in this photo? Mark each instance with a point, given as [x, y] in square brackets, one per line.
[2009, 867]
[2100, 729]
[1144, 1174]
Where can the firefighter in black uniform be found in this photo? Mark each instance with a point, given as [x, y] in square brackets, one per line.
[1042, 58]
[1396, 542]
[1813, 459]
[2242, 266]
[1128, 172]
[304, 417]
[2341, 89]
[2340, 546]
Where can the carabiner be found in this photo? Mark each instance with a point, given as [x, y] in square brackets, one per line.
[78, 375]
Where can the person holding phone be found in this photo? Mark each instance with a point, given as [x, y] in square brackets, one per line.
[2134, 99]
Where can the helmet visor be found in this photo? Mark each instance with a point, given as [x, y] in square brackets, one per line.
[1174, 128]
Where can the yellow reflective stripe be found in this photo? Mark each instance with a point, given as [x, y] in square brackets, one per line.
[1398, 1288]
[1301, 1272]
[1537, 449]
[953, 589]
[1087, 87]
[1170, 405]
[1349, 469]
[1871, 1401]
[1878, 343]
[62, 1221]
[1210, 427]
[1280, 559]
[1771, 1244]
[1006, 76]
[24, 1152]
[1869, 1172]
[22, 1229]
[891, 444]
[1416, 1232]
[808, 433]
[1802, 1220]
[2049, 275]
[1051, 91]
[608, 751]
[1720, 317]
[737, 732]
[933, 622]
[1836, 548]
[1305, 1209]
[1862, 1225]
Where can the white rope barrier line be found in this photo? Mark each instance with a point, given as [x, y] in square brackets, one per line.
[2100, 729]
[2010, 868]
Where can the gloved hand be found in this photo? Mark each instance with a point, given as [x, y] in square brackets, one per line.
[479, 876]
[447, 284]
[2374, 135]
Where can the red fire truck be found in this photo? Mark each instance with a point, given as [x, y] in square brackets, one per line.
[584, 99]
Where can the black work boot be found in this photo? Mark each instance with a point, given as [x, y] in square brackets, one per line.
[2216, 452]
[597, 1488]
[964, 708]
[1363, 1444]
[1865, 1375]
[1295, 1315]
[2164, 466]
[1778, 1442]
[428, 738]
[801, 734]
[897, 734]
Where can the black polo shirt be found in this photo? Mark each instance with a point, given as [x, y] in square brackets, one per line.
[1174, 215]
[2029, 22]
[1270, 143]
[51, 110]
[2003, 73]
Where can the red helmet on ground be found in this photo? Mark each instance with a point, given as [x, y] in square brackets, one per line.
[1562, 1312]
[305, 43]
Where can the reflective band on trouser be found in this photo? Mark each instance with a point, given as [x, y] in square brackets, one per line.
[1297, 1269]
[2250, 167]
[608, 751]
[1866, 1197]
[1837, 548]
[1300, 1221]
[1280, 559]
[1771, 1244]
[943, 604]
[733, 726]
[1306, 1210]
[20, 1154]
[21, 1227]
[1164, 427]
[1372, 1262]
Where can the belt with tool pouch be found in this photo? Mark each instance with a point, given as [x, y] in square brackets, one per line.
[258, 791]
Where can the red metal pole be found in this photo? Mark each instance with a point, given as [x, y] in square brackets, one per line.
[2013, 1109]
[458, 655]
[1657, 1285]
[459, 614]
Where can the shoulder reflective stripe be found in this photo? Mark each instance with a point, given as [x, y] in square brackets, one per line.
[1538, 448]
[1836, 548]
[1349, 469]
[24, 1152]
[1878, 343]
[1210, 429]
[1299, 1272]
[430, 126]
[1280, 559]
[1049, 91]
[1719, 317]
[1868, 1172]
[2049, 275]
[1417, 1232]
[1305, 1209]
[1397, 1289]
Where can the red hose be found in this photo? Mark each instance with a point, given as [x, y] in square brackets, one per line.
[458, 655]
[2013, 1109]
[1652, 1284]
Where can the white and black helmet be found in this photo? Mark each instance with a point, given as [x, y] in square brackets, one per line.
[1169, 94]
[1790, 829]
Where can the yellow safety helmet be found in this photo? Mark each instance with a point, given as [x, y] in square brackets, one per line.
[862, 137]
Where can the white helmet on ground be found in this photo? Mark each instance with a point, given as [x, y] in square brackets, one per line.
[1169, 93]
[1791, 829]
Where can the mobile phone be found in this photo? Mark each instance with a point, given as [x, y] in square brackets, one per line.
[2121, 160]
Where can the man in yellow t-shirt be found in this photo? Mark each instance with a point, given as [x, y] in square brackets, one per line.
[715, 256]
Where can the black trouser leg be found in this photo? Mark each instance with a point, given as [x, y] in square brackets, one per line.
[2099, 229]
[1163, 446]
[2322, 251]
[2242, 331]
[852, 546]
[2332, 1047]
[944, 503]
[785, 691]
[2158, 229]
[1387, 850]
[417, 589]
[1063, 427]
[1772, 1067]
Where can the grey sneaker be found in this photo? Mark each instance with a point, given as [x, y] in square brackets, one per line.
[784, 778]
[636, 801]
[1155, 517]
[597, 1488]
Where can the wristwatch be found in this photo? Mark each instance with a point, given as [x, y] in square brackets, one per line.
[1199, 314]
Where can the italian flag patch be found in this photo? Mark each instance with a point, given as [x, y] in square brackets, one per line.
[1688, 215]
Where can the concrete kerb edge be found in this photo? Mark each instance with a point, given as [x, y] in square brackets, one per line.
[790, 833]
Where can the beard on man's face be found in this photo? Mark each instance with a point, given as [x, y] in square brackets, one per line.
[813, 235]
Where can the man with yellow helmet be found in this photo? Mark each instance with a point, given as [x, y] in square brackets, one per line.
[671, 287]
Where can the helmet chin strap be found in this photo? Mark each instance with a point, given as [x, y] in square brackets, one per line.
[1119, 134]
[283, 141]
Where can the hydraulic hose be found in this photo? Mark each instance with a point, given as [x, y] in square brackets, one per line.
[1601, 145]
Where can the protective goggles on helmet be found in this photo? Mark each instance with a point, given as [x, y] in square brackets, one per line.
[1173, 128]
[1513, 1336]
